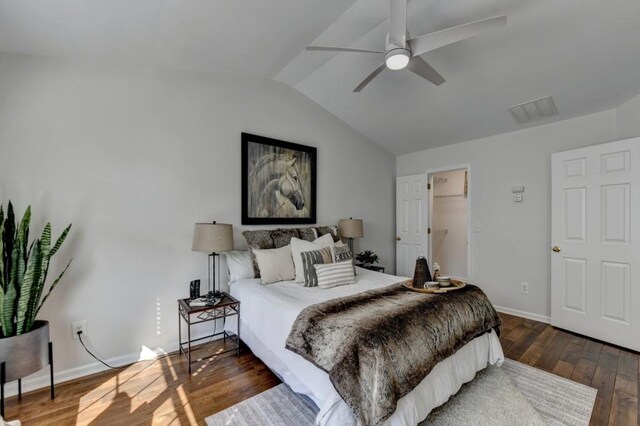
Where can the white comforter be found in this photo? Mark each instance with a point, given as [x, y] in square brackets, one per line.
[269, 311]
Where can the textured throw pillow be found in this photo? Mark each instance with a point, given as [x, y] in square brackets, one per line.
[240, 265]
[275, 265]
[311, 258]
[308, 234]
[333, 230]
[282, 237]
[334, 274]
[298, 246]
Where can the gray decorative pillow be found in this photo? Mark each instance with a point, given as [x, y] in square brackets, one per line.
[333, 230]
[310, 258]
[308, 234]
[342, 254]
[282, 237]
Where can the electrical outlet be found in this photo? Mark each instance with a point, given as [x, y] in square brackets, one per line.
[78, 326]
[517, 198]
[524, 287]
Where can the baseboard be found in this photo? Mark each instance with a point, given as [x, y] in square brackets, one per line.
[524, 314]
[42, 380]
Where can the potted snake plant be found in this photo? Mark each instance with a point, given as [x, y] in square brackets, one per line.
[23, 274]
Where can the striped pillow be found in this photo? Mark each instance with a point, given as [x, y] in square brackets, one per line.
[311, 258]
[335, 274]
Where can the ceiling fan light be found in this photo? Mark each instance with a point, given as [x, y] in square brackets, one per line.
[397, 59]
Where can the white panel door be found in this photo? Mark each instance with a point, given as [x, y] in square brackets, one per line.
[595, 231]
[411, 222]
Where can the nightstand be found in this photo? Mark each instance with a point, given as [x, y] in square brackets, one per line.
[192, 315]
[371, 267]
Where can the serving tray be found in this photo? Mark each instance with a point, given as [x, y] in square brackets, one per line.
[455, 285]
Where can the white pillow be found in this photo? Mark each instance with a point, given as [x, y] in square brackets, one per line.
[335, 274]
[240, 265]
[298, 246]
[275, 264]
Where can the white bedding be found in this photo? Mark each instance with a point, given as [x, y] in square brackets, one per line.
[268, 312]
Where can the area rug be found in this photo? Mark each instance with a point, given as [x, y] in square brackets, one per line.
[512, 394]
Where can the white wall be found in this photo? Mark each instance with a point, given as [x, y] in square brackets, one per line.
[628, 118]
[514, 242]
[449, 224]
[133, 158]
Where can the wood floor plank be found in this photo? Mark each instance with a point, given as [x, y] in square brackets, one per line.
[564, 369]
[554, 351]
[628, 364]
[583, 373]
[626, 384]
[572, 352]
[623, 409]
[531, 355]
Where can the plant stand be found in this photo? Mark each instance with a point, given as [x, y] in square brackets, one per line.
[3, 378]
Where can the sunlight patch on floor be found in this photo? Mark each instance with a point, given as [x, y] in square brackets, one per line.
[131, 392]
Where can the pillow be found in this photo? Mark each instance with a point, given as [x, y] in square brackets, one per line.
[298, 246]
[342, 254]
[275, 264]
[311, 258]
[259, 239]
[308, 234]
[282, 237]
[240, 265]
[334, 274]
[333, 230]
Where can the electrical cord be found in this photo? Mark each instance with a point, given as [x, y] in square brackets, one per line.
[90, 353]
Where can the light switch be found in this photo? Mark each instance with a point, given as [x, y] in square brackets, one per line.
[517, 198]
[517, 189]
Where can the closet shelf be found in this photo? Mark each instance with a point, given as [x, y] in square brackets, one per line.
[449, 196]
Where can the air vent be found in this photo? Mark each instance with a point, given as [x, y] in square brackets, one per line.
[534, 110]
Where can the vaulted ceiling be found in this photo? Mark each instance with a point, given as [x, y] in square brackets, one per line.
[584, 53]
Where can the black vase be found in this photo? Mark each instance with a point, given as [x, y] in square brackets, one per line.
[422, 273]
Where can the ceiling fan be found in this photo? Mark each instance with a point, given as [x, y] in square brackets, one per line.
[404, 52]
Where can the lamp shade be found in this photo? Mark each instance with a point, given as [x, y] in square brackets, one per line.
[351, 228]
[212, 237]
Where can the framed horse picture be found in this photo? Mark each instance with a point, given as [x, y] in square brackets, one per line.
[278, 181]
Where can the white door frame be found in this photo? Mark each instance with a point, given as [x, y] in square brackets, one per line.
[430, 173]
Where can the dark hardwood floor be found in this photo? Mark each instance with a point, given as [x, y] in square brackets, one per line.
[160, 391]
[611, 370]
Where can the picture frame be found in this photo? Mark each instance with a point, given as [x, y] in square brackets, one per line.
[278, 182]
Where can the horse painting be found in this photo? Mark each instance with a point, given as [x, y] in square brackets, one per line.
[280, 185]
[282, 192]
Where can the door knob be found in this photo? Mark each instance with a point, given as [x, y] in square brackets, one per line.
[398, 238]
[556, 249]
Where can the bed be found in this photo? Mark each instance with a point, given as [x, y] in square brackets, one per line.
[269, 312]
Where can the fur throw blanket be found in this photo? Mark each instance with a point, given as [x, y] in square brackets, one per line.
[378, 345]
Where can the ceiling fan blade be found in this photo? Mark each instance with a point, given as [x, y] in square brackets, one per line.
[369, 78]
[398, 22]
[418, 66]
[342, 49]
[433, 41]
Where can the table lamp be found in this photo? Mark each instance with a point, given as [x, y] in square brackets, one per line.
[351, 228]
[212, 238]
